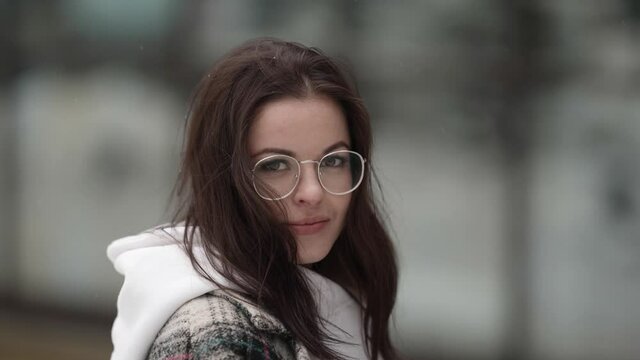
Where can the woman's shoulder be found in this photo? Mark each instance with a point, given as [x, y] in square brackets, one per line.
[222, 325]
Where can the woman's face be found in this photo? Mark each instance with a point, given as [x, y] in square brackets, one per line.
[305, 129]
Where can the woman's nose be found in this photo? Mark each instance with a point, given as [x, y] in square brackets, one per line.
[309, 189]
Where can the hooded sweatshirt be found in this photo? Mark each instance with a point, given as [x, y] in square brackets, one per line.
[159, 278]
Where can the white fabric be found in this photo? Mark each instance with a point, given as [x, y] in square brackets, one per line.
[159, 278]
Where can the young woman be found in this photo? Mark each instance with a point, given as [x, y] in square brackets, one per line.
[278, 250]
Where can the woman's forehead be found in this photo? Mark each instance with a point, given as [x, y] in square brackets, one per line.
[305, 127]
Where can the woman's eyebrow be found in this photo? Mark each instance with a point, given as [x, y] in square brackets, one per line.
[274, 150]
[335, 146]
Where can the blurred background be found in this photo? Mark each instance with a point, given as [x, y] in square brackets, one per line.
[507, 140]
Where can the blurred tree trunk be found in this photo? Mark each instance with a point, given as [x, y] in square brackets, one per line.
[11, 62]
[520, 80]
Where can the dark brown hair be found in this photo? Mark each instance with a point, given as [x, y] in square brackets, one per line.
[240, 235]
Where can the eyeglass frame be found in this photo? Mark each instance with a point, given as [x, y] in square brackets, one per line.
[297, 176]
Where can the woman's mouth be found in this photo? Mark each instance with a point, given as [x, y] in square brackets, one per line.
[308, 227]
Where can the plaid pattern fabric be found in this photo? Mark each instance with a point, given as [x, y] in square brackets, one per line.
[219, 326]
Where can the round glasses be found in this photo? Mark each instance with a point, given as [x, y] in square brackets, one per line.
[276, 176]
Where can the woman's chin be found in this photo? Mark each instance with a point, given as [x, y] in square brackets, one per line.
[311, 256]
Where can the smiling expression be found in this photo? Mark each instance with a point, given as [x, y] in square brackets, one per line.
[305, 129]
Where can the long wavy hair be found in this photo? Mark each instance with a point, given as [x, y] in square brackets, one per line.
[238, 231]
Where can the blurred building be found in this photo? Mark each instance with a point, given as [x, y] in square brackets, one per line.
[507, 139]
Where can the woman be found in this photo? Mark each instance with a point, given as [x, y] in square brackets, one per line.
[278, 250]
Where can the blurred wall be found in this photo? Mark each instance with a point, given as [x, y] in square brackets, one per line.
[585, 255]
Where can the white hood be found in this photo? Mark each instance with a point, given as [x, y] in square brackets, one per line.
[159, 278]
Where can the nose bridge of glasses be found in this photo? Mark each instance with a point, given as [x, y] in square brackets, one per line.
[302, 162]
[308, 162]
[313, 169]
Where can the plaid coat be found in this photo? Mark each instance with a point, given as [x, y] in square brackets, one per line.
[219, 326]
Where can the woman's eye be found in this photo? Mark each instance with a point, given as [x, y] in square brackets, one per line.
[333, 161]
[274, 165]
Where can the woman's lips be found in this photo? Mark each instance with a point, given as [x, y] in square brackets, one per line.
[308, 229]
